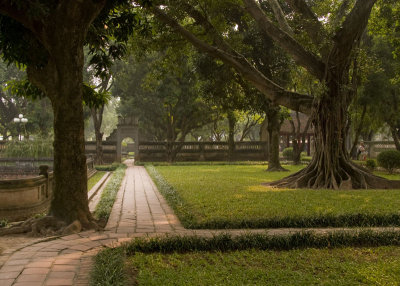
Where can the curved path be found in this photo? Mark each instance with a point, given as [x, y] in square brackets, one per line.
[139, 210]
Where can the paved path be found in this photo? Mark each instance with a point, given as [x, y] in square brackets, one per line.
[139, 210]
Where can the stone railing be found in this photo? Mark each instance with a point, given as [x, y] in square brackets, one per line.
[109, 150]
[91, 170]
[21, 198]
[203, 151]
[375, 147]
[22, 167]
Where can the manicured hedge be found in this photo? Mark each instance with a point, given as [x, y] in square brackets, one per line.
[389, 160]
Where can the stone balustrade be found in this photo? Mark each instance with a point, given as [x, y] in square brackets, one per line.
[203, 151]
[23, 197]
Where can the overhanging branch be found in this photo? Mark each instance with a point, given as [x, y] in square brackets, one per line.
[21, 15]
[352, 29]
[311, 24]
[271, 90]
[284, 40]
[279, 16]
[208, 27]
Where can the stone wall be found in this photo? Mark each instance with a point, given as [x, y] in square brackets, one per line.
[109, 150]
[375, 147]
[23, 197]
[204, 151]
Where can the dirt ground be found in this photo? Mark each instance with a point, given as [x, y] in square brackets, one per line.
[14, 241]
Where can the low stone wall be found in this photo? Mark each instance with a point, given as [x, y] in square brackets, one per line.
[376, 147]
[204, 151]
[23, 197]
[15, 168]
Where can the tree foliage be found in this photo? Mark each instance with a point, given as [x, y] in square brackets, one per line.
[163, 91]
[322, 37]
[48, 38]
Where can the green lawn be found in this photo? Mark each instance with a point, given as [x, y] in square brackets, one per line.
[94, 179]
[341, 266]
[230, 196]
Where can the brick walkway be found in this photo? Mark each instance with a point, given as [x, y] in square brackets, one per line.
[139, 210]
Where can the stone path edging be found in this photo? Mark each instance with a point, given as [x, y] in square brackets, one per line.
[101, 183]
[139, 211]
[94, 193]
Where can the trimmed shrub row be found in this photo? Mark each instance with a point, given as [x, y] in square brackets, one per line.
[343, 220]
[109, 263]
[227, 242]
[202, 163]
[108, 168]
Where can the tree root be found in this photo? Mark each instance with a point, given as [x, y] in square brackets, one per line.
[346, 176]
[47, 226]
[276, 169]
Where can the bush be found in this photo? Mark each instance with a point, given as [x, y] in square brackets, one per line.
[288, 153]
[38, 148]
[3, 223]
[108, 168]
[389, 160]
[371, 164]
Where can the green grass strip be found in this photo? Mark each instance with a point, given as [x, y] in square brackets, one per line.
[180, 207]
[109, 263]
[108, 268]
[103, 208]
[326, 220]
[203, 163]
[200, 205]
[227, 242]
[94, 179]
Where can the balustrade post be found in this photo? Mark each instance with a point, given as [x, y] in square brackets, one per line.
[44, 170]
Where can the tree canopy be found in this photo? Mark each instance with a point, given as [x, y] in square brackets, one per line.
[322, 37]
[47, 37]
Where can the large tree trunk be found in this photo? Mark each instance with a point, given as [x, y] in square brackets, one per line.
[353, 151]
[331, 166]
[97, 116]
[231, 135]
[274, 127]
[173, 148]
[62, 80]
[70, 201]
[297, 149]
[298, 138]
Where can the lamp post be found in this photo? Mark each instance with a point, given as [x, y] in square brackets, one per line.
[20, 119]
